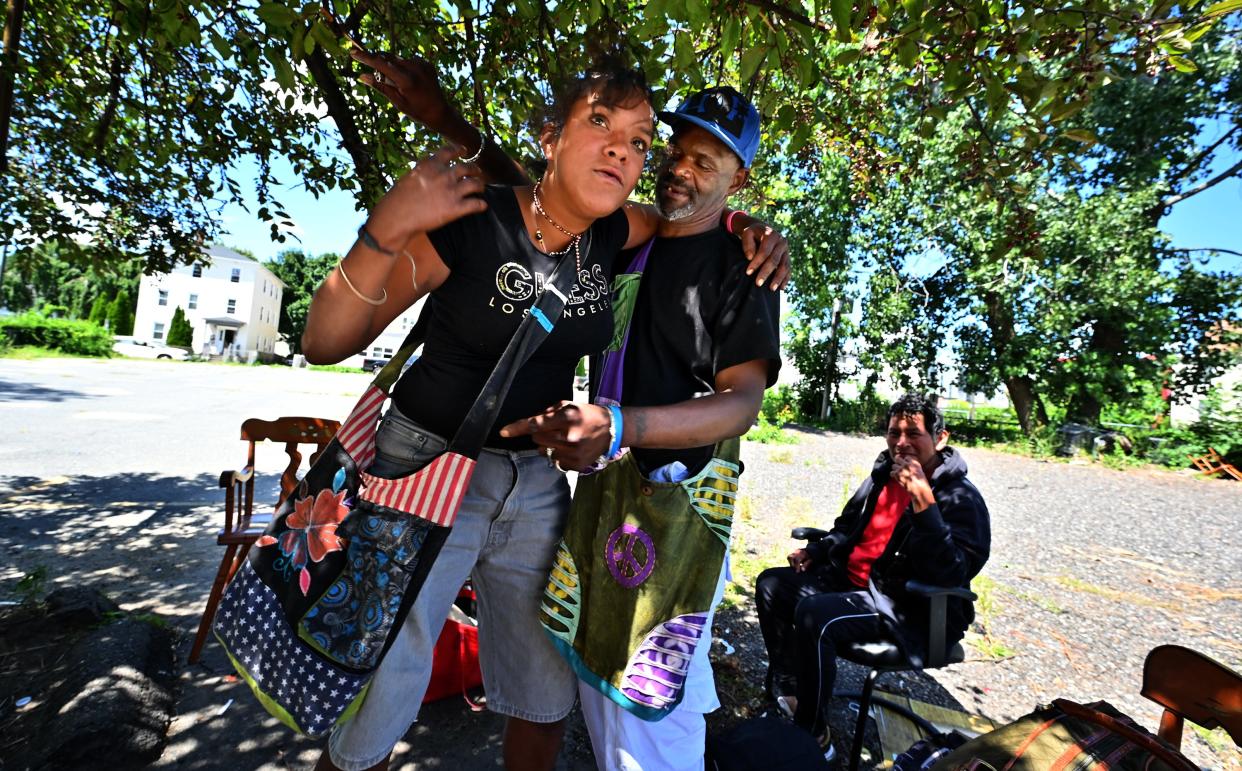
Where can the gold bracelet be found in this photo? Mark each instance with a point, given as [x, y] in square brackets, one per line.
[340, 265]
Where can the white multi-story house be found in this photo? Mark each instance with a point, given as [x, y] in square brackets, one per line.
[233, 304]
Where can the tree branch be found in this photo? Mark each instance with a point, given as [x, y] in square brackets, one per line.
[1213, 182]
[338, 108]
[1204, 155]
[779, 10]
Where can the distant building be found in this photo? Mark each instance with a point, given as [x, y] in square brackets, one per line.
[233, 304]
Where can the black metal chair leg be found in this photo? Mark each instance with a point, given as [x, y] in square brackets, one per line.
[864, 707]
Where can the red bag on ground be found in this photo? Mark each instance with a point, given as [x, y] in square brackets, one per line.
[455, 661]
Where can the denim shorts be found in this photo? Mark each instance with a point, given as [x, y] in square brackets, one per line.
[504, 538]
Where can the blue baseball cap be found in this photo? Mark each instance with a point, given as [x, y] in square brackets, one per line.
[724, 113]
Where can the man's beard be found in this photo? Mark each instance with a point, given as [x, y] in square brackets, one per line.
[681, 212]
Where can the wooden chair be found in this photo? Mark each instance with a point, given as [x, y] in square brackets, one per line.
[242, 524]
[1190, 686]
[1213, 463]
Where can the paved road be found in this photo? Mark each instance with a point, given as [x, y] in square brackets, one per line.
[108, 475]
[108, 472]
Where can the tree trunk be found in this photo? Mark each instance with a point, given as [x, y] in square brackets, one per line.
[1020, 387]
[1108, 339]
[12, 40]
[1022, 394]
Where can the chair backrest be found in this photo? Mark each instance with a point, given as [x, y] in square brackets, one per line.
[293, 432]
[1192, 687]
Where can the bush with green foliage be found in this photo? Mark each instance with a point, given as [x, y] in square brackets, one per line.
[864, 415]
[77, 337]
[780, 405]
[180, 333]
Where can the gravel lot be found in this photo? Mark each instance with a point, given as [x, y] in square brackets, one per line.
[1091, 568]
[109, 478]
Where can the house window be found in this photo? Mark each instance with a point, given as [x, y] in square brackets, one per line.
[236, 276]
[193, 301]
[163, 297]
[232, 307]
[158, 333]
[198, 270]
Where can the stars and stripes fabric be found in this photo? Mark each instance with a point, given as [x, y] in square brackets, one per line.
[434, 493]
[306, 692]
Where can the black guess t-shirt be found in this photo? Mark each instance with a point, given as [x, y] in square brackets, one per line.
[697, 313]
[496, 274]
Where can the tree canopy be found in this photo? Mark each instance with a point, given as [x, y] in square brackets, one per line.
[129, 118]
[1025, 151]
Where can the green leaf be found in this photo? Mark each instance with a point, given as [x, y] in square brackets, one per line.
[751, 60]
[324, 37]
[914, 8]
[283, 70]
[907, 52]
[1182, 64]
[729, 36]
[221, 45]
[841, 15]
[848, 56]
[1081, 135]
[1199, 30]
[276, 14]
[1222, 8]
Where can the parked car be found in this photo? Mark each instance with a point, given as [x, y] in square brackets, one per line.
[126, 345]
[370, 365]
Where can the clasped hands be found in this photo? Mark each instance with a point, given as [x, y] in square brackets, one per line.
[576, 434]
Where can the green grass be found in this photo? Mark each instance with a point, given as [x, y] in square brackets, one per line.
[32, 352]
[781, 456]
[335, 368]
[984, 642]
[770, 433]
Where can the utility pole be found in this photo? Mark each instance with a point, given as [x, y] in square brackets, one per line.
[825, 405]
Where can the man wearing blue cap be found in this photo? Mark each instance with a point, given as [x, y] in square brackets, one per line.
[697, 343]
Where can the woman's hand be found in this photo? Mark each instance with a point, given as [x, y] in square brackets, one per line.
[432, 194]
[410, 84]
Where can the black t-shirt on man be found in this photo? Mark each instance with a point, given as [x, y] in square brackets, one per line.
[496, 274]
[697, 313]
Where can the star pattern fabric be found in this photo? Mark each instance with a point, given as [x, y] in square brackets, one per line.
[251, 625]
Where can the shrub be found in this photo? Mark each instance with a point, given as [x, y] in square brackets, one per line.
[81, 338]
[779, 405]
[769, 433]
[865, 415]
[179, 330]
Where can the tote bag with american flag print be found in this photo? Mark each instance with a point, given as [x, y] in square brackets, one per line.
[311, 613]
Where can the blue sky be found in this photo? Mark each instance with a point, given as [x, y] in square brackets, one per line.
[328, 224]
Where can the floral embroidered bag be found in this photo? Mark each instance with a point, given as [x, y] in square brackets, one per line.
[311, 613]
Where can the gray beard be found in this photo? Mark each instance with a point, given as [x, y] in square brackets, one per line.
[679, 213]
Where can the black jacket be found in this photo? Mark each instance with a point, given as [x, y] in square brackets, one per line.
[945, 545]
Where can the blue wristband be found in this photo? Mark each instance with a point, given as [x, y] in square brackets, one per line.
[617, 425]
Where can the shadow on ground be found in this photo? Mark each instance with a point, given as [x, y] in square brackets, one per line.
[148, 542]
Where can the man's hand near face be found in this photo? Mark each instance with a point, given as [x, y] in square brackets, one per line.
[909, 474]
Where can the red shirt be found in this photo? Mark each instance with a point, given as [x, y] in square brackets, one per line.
[889, 507]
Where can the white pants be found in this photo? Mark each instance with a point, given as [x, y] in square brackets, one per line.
[623, 742]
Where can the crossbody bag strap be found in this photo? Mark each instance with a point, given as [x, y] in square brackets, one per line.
[612, 371]
[534, 329]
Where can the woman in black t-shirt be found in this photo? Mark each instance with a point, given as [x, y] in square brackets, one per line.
[481, 254]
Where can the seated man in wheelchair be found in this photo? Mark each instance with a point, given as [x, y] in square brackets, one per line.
[915, 518]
